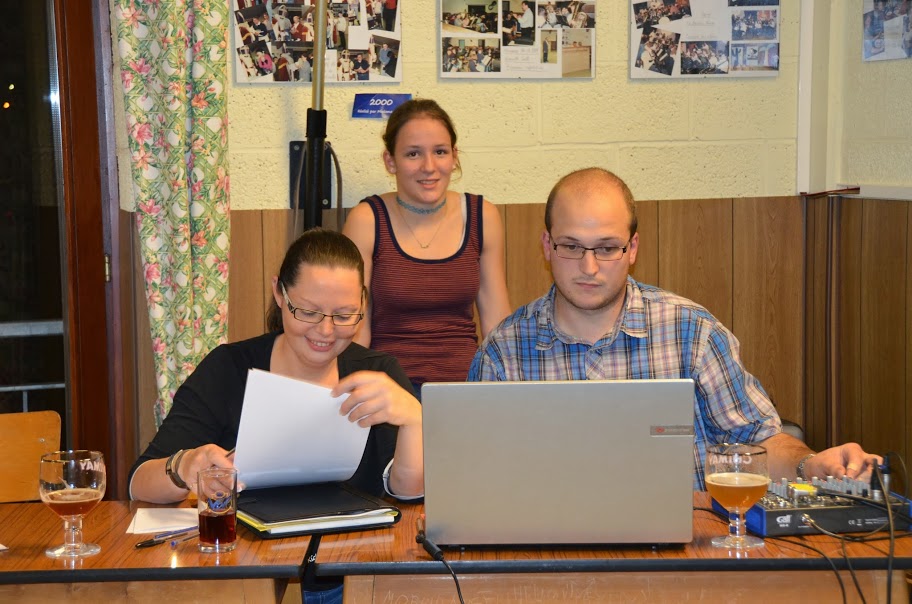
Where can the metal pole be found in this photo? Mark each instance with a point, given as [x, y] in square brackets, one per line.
[319, 67]
[316, 126]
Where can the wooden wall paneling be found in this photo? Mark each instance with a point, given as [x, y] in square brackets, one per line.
[646, 269]
[278, 235]
[846, 383]
[502, 210]
[843, 375]
[528, 275]
[816, 322]
[695, 252]
[333, 219]
[245, 276]
[883, 315]
[900, 484]
[769, 299]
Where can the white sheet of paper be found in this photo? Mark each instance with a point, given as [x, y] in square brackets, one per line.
[159, 520]
[291, 433]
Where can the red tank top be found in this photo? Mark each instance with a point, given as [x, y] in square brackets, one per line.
[422, 310]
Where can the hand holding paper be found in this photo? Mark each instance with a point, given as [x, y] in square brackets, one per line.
[374, 398]
[270, 449]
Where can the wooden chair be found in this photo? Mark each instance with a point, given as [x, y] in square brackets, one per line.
[24, 438]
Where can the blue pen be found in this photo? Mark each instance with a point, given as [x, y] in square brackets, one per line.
[192, 535]
[174, 532]
[192, 531]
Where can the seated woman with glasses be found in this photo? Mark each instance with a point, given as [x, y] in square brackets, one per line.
[319, 303]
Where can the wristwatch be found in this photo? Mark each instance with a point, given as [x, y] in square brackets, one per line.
[799, 471]
[171, 469]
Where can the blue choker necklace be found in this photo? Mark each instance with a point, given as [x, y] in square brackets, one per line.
[419, 210]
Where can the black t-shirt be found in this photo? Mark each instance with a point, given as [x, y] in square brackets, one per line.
[207, 407]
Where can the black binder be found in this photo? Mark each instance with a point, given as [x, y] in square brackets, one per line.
[312, 509]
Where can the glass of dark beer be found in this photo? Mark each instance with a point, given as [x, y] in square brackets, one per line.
[217, 506]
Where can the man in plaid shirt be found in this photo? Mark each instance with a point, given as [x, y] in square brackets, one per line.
[598, 323]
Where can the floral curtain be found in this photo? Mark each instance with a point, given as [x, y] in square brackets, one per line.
[174, 72]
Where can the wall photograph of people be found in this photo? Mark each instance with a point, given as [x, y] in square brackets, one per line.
[517, 39]
[886, 30]
[274, 41]
[471, 55]
[730, 38]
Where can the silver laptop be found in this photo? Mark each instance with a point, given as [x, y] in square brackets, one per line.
[570, 462]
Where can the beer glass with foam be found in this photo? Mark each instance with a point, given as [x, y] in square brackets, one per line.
[72, 483]
[737, 476]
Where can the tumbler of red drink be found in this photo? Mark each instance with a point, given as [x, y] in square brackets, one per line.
[217, 505]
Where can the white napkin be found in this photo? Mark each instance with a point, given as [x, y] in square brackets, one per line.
[160, 520]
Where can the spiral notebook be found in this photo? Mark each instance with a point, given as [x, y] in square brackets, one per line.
[573, 462]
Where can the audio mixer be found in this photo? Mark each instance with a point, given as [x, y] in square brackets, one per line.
[793, 508]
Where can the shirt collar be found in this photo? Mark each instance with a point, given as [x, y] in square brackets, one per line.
[632, 320]
[545, 332]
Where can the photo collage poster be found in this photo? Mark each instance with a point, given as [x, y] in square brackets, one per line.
[274, 41]
[887, 30]
[517, 39]
[704, 38]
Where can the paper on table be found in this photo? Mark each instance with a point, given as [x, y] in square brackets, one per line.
[291, 433]
[3, 547]
[159, 520]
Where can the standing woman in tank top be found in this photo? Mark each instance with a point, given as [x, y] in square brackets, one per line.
[430, 254]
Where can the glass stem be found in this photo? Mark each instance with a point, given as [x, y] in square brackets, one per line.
[736, 525]
[72, 533]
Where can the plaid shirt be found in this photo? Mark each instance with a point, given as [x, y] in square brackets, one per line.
[658, 336]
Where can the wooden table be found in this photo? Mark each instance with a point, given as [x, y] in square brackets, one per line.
[388, 566]
[258, 570]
